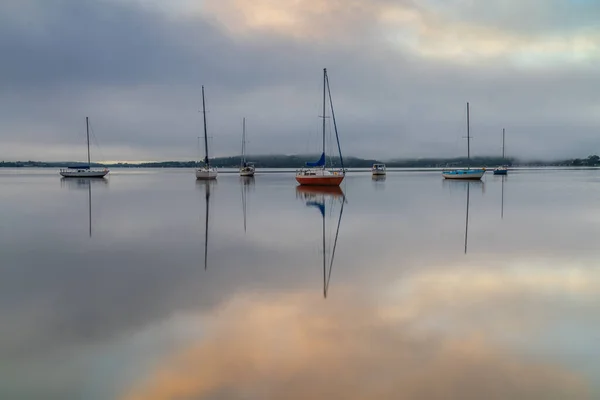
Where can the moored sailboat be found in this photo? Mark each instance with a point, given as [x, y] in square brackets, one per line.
[502, 170]
[84, 171]
[246, 168]
[316, 173]
[205, 172]
[469, 173]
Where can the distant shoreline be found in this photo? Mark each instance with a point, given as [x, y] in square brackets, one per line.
[297, 161]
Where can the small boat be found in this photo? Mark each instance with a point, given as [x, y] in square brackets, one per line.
[469, 173]
[246, 168]
[378, 169]
[502, 170]
[84, 171]
[205, 172]
[315, 173]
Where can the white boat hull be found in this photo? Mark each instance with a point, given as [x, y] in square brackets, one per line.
[84, 173]
[470, 175]
[206, 174]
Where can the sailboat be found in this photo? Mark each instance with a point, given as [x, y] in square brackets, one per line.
[246, 168]
[84, 171]
[205, 172]
[315, 173]
[315, 197]
[502, 170]
[465, 173]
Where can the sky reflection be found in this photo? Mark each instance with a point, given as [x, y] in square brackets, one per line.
[131, 312]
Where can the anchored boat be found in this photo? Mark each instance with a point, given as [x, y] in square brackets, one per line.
[84, 171]
[468, 173]
[316, 173]
[205, 172]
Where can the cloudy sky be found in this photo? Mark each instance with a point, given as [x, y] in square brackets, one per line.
[401, 72]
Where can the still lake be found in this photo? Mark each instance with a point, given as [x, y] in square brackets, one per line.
[106, 291]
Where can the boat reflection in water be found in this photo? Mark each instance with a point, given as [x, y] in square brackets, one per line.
[323, 198]
[465, 185]
[247, 184]
[502, 198]
[207, 186]
[84, 184]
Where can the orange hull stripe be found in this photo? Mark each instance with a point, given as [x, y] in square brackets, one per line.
[320, 181]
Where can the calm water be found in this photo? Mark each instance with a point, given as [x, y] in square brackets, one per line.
[124, 303]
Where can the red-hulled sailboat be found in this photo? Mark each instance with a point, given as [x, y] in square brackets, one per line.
[316, 173]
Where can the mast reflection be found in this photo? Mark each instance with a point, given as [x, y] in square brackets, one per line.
[206, 185]
[318, 197]
[84, 184]
[246, 183]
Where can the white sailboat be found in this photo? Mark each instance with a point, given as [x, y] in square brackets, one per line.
[502, 170]
[468, 174]
[84, 171]
[205, 172]
[246, 168]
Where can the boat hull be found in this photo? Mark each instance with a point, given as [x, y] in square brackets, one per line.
[84, 174]
[476, 174]
[248, 172]
[334, 180]
[206, 174]
[500, 172]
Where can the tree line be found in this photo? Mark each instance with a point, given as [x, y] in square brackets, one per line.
[296, 161]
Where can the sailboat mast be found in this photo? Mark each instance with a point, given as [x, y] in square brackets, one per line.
[244, 142]
[337, 138]
[87, 129]
[502, 143]
[205, 134]
[468, 138]
[324, 91]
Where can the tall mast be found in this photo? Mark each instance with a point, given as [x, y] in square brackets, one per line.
[502, 143]
[468, 138]
[244, 142]
[205, 134]
[324, 116]
[337, 138]
[87, 129]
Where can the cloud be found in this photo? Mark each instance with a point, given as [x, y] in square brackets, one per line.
[295, 348]
[400, 74]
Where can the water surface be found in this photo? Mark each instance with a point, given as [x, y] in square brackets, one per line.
[111, 289]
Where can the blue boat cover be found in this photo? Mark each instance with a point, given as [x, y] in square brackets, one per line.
[320, 206]
[79, 167]
[319, 163]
